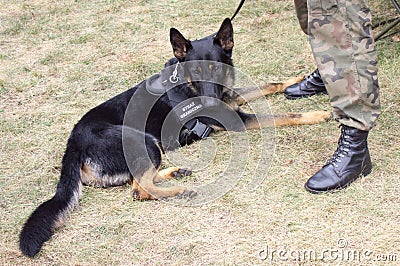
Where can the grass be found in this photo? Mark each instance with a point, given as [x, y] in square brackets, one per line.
[58, 59]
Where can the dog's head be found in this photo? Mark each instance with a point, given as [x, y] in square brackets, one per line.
[207, 62]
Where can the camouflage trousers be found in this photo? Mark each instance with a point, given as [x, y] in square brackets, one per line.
[342, 43]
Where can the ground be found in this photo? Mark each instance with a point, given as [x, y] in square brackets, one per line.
[58, 59]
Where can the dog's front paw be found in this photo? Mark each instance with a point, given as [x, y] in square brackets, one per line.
[292, 81]
[314, 117]
[321, 116]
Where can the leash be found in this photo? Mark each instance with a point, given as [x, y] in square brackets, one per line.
[238, 9]
[233, 16]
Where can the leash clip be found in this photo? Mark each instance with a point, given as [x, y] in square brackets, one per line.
[174, 77]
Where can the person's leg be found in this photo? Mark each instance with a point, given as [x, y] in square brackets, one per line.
[302, 14]
[344, 50]
[313, 83]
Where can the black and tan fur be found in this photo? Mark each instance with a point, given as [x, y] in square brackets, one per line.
[94, 154]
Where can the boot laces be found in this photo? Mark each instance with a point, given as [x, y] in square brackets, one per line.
[342, 150]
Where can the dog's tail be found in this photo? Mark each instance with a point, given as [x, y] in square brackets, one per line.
[52, 214]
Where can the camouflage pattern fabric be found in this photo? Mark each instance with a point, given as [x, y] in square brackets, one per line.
[344, 50]
[302, 14]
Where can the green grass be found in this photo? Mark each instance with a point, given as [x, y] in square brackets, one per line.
[58, 59]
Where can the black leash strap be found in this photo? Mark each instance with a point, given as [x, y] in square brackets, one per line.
[233, 16]
[238, 9]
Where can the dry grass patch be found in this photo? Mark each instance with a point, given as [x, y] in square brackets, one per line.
[58, 59]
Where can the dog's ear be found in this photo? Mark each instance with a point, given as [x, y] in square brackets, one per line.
[224, 37]
[179, 44]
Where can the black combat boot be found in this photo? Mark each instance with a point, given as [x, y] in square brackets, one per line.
[350, 160]
[310, 86]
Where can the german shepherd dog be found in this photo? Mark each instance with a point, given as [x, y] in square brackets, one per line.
[95, 154]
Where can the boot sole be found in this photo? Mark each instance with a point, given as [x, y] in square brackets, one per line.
[289, 97]
[364, 173]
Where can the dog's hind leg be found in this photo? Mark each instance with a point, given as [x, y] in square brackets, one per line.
[143, 157]
[243, 95]
[171, 173]
[138, 193]
[143, 187]
[91, 175]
